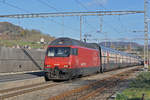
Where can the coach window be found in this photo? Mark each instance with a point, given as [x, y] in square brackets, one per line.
[74, 51]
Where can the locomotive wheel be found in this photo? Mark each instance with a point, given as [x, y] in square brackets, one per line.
[70, 77]
[46, 77]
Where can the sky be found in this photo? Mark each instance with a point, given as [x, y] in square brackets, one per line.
[114, 28]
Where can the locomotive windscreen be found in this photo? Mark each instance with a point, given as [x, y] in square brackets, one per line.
[58, 52]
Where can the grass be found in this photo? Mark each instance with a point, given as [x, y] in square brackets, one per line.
[138, 87]
[136, 93]
[11, 43]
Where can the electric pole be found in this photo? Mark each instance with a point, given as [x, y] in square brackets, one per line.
[80, 28]
[101, 24]
[146, 59]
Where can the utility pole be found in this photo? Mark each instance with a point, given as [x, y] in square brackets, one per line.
[146, 59]
[80, 28]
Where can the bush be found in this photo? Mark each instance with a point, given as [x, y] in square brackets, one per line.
[120, 96]
[142, 81]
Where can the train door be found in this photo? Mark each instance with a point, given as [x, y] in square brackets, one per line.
[101, 60]
[75, 61]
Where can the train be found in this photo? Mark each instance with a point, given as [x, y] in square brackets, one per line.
[68, 58]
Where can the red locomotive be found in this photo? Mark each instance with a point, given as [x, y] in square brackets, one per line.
[68, 58]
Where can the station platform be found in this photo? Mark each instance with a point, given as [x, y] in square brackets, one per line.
[20, 76]
[21, 79]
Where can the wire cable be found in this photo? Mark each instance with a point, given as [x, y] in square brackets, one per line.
[48, 5]
[14, 6]
[51, 7]
[82, 5]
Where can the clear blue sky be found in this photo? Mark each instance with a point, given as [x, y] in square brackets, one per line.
[115, 26]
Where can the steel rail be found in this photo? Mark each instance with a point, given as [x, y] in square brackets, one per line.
[101, 89]
[27, 89]
[8, 93]
[85, 87]
[17, 88]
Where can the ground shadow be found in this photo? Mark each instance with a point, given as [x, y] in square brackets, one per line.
[40, 74]
[135, 99]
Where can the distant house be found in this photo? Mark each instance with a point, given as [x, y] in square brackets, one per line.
[42, 40]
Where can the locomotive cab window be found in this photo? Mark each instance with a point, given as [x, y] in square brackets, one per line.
[58, 52]
[74, 51]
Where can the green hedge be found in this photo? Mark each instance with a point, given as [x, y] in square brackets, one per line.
[120, 96]
[138, 87]
[141, 81]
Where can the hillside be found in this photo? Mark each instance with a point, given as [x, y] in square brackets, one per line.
[11, 34]
[122, 44]
[129, 47]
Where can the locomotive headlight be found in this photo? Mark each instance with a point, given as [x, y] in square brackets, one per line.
[47, 65]
[66, 66]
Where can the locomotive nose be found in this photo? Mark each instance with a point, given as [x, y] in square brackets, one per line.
[56, 70]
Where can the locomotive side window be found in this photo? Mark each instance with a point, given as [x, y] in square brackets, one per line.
[74, 51]
[58, 52]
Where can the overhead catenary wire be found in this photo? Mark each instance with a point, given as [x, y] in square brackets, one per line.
[14, 6]
[71, 14]
[26, 11]
[81, 17]
[59, 23]
[47, 4]
[121, 24]
[101, 19]
[101, 25]
[63, 24]
[56, 9]
[82, 5]
[63, 16]
[60, 14]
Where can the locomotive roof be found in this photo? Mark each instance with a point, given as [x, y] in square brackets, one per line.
[69, 41]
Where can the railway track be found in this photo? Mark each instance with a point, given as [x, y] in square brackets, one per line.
[7, 93]
[79, 93]
[87, 91]
[12, 92]
[106, 85]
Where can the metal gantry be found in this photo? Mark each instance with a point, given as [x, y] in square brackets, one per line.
[61, 14]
